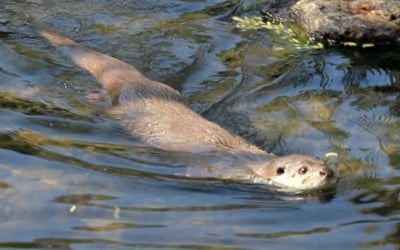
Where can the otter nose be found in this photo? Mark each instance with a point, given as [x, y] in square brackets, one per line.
[327, 172]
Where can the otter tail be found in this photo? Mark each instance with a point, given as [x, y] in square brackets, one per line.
[109, 71]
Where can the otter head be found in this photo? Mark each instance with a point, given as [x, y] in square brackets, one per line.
[299, 172]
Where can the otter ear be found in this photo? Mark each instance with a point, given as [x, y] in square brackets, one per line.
[265, 170]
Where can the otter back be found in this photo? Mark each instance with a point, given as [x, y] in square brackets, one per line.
[153, 111]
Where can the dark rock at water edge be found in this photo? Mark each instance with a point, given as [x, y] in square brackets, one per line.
[359, 21]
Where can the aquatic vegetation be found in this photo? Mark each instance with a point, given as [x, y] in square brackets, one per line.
[283, 30]
[287, 32]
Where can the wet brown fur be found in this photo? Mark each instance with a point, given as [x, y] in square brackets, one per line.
[157, 114]
[153, 111]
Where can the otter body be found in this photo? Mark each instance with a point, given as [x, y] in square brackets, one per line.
[157, 114]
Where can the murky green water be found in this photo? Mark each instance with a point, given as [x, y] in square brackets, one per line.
[72, 178]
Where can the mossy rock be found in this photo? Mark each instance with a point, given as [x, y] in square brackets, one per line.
[343, 21]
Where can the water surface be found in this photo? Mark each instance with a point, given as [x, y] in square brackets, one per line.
[71, 177]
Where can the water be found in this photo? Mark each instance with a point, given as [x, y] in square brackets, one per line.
[72, 178]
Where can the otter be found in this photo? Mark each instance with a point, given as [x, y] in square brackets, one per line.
[157, 114]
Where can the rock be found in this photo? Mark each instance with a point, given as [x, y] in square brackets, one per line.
[358, 21]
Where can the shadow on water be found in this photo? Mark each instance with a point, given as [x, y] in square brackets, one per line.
[54, 243]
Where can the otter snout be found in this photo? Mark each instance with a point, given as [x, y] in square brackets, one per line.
[327, 172]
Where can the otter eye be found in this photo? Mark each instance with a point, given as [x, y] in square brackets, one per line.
[280, 171]
[303, 170]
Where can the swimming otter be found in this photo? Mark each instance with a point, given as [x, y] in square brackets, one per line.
[157, 114]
